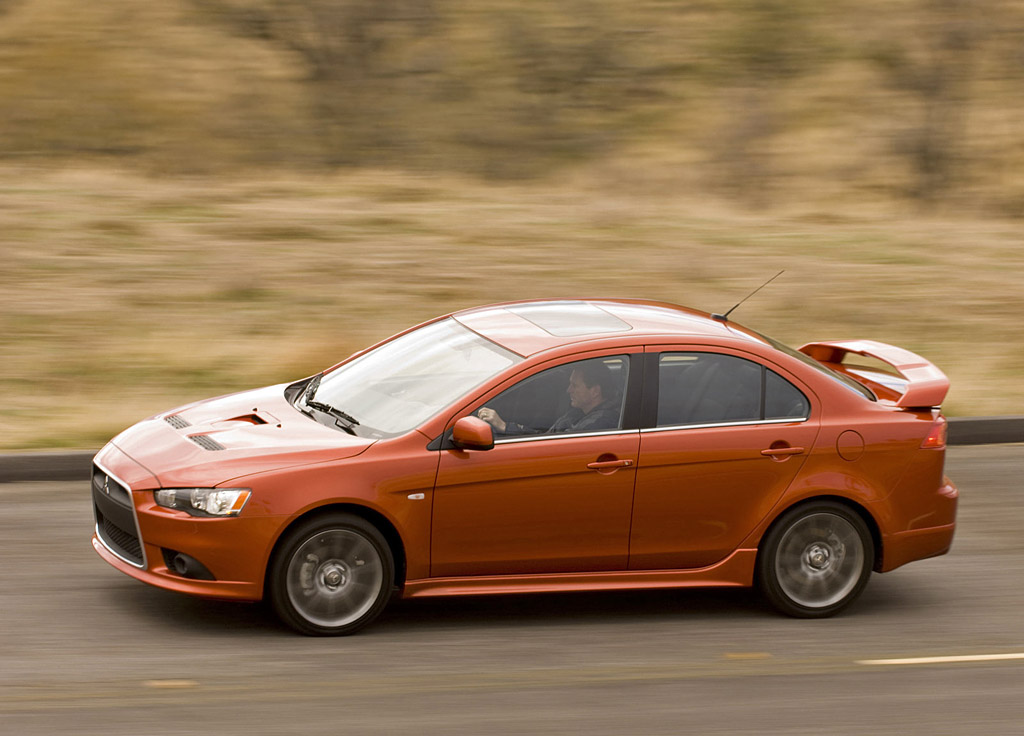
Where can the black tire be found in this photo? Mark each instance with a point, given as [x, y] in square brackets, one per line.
[331, 576]
[815, 560]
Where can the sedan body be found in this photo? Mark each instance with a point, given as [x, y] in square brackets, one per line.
[541, 446]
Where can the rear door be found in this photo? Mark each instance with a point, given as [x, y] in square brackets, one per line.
[723, 437]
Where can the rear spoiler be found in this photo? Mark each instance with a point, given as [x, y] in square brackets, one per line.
[926, 384]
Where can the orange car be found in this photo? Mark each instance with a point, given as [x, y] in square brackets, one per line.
[541, 446]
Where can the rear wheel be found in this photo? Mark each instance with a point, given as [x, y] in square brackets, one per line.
[332, 575]
[816, 560]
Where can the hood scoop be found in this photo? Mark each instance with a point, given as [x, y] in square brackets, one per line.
[228, 437]
[227, 428]
[248, 418]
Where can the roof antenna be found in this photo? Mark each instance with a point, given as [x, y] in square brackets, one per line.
[725, 317]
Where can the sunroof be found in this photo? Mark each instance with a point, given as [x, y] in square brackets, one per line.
[570, 319]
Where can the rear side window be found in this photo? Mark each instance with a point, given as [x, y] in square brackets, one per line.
[711, 388]
[705, 388]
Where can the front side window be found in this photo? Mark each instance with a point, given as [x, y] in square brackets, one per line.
[578, 397]
[404, 382]
[711, 388]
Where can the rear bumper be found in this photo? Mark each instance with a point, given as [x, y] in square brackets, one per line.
[919, 544]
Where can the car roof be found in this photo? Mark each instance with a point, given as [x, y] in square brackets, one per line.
[528, 327]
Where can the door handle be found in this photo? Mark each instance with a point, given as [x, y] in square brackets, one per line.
[782, 451]
[606, 464]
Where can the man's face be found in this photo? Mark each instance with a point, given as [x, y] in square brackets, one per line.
[582, 396]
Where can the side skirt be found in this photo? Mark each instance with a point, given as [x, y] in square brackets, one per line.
[736, 570]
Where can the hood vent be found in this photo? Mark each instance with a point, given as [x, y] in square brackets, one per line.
[207, 443]
[177, 421]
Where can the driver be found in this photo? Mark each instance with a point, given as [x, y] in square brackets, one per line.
[591, 392]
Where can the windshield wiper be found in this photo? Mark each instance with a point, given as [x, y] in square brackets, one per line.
[338, 415]
[311, 387]
[308, 398]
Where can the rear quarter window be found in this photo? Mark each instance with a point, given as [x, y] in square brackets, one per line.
[783, 400]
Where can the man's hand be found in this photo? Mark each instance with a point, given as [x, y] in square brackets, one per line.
[491, 417]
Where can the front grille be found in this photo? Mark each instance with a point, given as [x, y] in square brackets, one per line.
[125, 542]
[177, 421]
[207, 443]
[115, 517]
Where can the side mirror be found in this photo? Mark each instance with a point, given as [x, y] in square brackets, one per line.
[472, 433]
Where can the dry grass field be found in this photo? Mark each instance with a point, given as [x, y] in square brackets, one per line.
[199, 196]
[122, 295]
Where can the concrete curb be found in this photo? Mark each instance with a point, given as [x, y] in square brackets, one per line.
[77, 465]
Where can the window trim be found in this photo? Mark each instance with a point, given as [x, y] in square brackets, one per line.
[713, 425]
[564, 436]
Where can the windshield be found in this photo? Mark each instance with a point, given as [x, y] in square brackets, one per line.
[406, 381]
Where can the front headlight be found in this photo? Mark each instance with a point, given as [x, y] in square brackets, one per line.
[204, 501]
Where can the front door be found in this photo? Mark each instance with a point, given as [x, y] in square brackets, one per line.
[555, 492]
[534, 507]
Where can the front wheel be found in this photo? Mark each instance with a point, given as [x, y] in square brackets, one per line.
[331, 576]
[816, 560]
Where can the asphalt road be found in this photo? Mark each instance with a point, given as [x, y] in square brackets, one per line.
[86, 650]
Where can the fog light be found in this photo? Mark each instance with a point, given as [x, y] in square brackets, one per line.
[185, 565]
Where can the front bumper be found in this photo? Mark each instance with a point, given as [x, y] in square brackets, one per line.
[161, 577]
[137, 536]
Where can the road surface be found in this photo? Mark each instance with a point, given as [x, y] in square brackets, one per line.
[87, 650]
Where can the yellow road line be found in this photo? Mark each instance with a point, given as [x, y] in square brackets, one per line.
[170, 684]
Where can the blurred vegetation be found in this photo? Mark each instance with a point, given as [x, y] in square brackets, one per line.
[122, 295]
[199, 196]
[757, 99]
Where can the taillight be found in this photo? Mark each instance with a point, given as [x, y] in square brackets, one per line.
[936, 439]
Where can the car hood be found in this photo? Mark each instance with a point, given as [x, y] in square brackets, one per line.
[211, 442]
